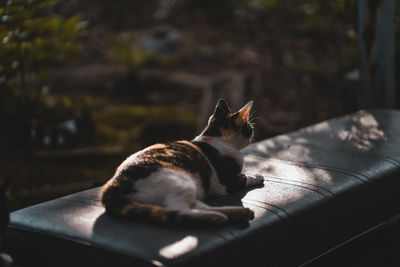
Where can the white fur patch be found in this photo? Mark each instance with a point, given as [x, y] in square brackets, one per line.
[169, 188]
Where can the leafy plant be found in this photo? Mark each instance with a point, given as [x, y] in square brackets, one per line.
[33, 40]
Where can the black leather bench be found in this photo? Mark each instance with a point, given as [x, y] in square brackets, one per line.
[323, 185]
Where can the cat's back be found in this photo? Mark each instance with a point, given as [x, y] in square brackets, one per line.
[178, 155]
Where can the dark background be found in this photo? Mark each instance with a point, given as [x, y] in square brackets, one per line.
[86, 83]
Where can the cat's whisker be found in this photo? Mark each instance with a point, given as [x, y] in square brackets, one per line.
[252, 122]
[253, 117]
[253, 113]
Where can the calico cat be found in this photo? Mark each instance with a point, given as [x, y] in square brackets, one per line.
[167, 182]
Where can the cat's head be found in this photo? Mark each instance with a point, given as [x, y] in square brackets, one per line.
[232, 127]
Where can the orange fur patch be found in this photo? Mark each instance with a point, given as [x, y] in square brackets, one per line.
[189, 144]
[240, 121]
[145, 210]
[204, 138]
[156, 146]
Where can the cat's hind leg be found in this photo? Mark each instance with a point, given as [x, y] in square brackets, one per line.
[202, 216]
[186, 211]
[234, 213]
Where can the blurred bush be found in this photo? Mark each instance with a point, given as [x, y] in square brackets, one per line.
[143, 125]
[33, 40]
[129, 54]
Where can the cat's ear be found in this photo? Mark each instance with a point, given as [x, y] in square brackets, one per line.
[221, 108]
[243, 113]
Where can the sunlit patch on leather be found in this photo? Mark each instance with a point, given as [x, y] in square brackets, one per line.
[179, 248]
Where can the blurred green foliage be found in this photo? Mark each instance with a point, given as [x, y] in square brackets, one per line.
[139, 126]
[33, 40]
[129, 54]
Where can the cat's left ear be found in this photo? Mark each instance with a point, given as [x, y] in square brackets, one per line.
[221, 108]
[243, 113]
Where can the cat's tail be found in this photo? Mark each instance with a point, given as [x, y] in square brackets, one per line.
[141, 211]
[118, 204]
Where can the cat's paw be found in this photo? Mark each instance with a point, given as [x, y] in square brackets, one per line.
[245, 216]
[254, 180]
[240, 214]
[217, 219]
[248, 215]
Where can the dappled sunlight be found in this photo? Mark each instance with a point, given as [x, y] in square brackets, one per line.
[316, 162]
[280, 196]
[274, 169]
[361, 131]
[364, 133]
[287, 181]
[279, 145]
[288, 184]
[179, 248]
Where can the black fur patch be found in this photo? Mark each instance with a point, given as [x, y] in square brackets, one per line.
[247, 130]
[218, 124]
[213, 128]
[228, 169]
[114, 192]
[139, 171]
